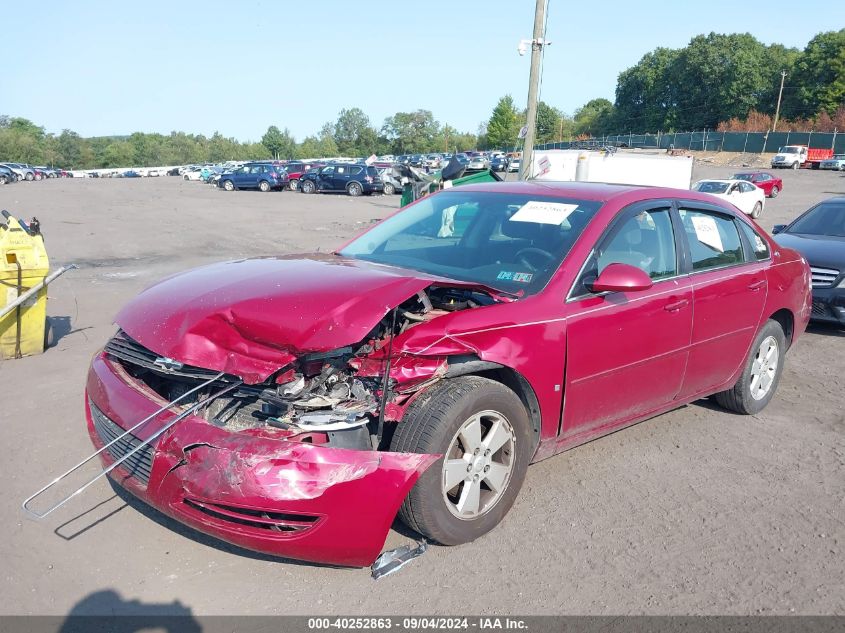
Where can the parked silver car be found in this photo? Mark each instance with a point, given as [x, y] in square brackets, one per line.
[22, 171]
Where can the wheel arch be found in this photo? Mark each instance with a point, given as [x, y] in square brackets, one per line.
[471, 365]
[786, 320]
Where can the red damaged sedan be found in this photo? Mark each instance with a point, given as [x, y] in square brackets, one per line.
[297, 404]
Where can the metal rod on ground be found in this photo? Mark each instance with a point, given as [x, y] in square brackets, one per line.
[35, 289]
[537, 44]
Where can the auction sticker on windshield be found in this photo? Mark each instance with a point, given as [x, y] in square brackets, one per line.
[543, 212]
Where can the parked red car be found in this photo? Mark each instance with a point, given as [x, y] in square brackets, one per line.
[514, 320]
[769, 183]
[295, 169]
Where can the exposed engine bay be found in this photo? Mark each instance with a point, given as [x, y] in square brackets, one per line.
[321, 397]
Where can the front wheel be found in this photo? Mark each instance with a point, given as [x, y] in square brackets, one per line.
[294, 185]
[483, 432]
[228, 185]
[30, 176]
[354, 189]
[389, 189]
[264, 186]
[775, 192]
[795, 165]
[307, 187]
[757, 210]
[759, 380]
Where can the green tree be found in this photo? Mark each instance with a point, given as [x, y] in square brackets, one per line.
[273, 140]
[353, 133]
[646, 93]
[503, 126]
[70, 148]
[594, 118]
[819, 75]
[548, 123]
[411, 132]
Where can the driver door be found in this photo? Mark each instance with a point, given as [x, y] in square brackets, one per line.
[324, 178]
[626, 352]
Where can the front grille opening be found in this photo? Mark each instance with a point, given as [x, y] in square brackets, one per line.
[140, 463]
[261, 519]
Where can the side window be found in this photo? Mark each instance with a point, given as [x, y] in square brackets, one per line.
[340, 170]
[713, 239]
[327, 171]
[758, 244]
[354, 171]
[747, 187]
[646, 241]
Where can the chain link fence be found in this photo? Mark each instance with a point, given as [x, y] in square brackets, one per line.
[711, 141]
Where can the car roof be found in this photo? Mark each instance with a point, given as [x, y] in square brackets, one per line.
[595, 191]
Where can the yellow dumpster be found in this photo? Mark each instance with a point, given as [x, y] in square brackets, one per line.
[23, 265]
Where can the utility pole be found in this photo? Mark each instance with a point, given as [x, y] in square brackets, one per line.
[780, 94]
[537, 44]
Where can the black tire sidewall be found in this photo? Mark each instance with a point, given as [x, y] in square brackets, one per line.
[426, 502]
[354, 186]
[743, 386]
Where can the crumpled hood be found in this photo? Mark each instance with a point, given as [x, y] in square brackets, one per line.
[252, 317]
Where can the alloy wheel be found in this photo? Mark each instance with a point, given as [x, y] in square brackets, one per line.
[764, 368]
[478, 465]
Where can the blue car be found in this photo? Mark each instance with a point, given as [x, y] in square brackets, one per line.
[261, 176]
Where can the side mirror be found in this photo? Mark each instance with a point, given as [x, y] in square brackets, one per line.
[621, 278]
[778, 228]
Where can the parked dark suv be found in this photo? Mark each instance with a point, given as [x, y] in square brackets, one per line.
[261, 176]
[295, 169]
[351, 178]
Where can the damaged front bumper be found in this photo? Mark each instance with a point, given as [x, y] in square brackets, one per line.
[258, 489]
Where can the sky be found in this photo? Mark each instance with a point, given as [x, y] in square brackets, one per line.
[104, 68]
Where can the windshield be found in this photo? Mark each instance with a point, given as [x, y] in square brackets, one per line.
[506, 241]
[826, 219]
[711, 187]
[748, 177]
[790, 150]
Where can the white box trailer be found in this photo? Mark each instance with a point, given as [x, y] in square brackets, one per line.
[620, 167]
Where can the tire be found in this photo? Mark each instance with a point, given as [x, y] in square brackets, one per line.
[293, 185]
[757, 210]
[746, 396]
[389, 189]
[307, 187]
[185, 178]
[354, 189]
[775, 192]
[228, 185]
[433, 424]
[29, 176]
[795, 165]
[264, 186]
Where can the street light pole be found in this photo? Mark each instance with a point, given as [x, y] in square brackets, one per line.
[537, 44]
[780, 94]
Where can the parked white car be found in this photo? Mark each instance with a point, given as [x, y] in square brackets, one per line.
[837, 162]
[193, 174]
[746, 197]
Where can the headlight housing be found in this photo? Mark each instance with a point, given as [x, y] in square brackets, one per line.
[841, 284]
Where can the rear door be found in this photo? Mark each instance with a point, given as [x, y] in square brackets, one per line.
[626, 352]
[729, 292]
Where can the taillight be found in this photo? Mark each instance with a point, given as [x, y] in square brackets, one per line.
[368, 178]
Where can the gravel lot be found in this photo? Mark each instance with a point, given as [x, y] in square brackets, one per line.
[696, 511]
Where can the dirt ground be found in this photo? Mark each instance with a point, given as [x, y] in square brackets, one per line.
[697, 511]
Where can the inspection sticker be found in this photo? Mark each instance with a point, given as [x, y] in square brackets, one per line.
[707, 232]
[543, 212]
[522, 278]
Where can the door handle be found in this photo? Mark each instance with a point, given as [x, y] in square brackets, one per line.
[676, 305]
[754, 286]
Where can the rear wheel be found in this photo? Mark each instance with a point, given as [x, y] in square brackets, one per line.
[775, 192]
[29, 176]
[354, 189]
[757, 210]
[307, 187]
[388, 189]
[185, 178]
[264, 186]
[294, 185]
[759, 380]
[228, 185]
[482, 430]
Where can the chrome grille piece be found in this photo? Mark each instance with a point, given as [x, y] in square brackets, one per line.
[823, 277]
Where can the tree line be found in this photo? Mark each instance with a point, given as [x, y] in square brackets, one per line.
[727, 82]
